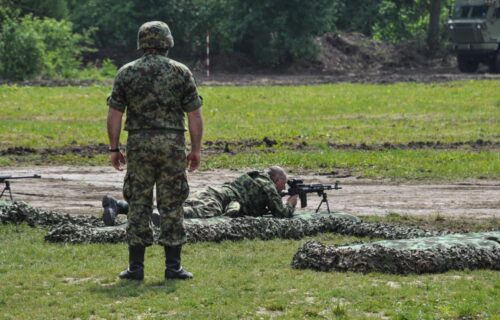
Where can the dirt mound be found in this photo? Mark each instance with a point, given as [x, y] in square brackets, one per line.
[356, 53]
[339, 54]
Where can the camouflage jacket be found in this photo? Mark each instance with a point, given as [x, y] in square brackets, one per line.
[257, 195]
[156, 92]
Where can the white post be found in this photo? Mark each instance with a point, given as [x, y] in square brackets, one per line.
[208, 54]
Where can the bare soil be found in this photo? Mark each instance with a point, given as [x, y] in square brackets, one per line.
[242, 146]
[79, 190]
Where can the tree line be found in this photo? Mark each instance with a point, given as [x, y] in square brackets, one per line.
[57, 33]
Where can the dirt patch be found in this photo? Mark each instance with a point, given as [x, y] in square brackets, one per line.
[424, 75]
[356, 53]
[90, 150]
[274, 78]
[79, 190]
[222, 146]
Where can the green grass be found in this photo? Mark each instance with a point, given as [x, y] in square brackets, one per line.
[233, 280]
[395, 164]
[455, 112]
[340, 113]
[354, 113]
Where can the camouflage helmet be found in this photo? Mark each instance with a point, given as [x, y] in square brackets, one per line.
[154, 35]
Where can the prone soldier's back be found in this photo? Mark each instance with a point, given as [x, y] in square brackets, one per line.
[257, 195]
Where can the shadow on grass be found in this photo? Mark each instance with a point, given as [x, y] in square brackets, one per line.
[124, 288]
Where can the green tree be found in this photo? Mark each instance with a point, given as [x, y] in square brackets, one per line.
[21, 51]
[117, 22]
[396, 20]
[30, 46]
[276, 32]
[57, 9]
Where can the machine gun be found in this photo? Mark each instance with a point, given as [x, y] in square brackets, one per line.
[297, 186]
[6, 180]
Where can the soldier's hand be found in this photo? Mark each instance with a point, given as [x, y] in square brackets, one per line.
[292, 200]
[118, 160]
[193, 161]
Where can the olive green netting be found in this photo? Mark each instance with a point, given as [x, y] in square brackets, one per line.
[424, 251]
[419, 255]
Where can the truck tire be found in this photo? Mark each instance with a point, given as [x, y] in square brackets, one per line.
[494, 66]
[467, 64]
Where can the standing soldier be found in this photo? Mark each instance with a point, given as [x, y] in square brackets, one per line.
[155, 91]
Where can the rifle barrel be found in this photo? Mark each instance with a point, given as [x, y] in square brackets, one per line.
[5, 178]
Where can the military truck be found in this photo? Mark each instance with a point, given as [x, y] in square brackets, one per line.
[474, 27]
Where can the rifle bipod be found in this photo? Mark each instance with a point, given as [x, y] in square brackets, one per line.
[7, 188]
[6, 180]
[325, 200]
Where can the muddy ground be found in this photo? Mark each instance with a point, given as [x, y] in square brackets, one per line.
[78, 190]
[420, 75]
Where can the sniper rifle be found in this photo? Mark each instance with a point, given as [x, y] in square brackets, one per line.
[6, 180]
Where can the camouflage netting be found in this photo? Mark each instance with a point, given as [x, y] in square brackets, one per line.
[20, 212]
[83, 229]
[432, 254]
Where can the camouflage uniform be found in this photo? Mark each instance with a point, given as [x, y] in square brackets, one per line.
[156, 92]
[252, 194]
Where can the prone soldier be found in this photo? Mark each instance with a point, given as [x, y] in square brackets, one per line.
[252, 194]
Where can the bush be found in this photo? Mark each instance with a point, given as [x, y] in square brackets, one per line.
[45, 47]
[21, 51]
[274, 32]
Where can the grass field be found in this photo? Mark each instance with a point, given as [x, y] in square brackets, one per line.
[233, 280]
[304, 121]
[253, 279]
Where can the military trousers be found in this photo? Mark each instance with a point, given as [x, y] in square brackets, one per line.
[212, 202]
[156, 159]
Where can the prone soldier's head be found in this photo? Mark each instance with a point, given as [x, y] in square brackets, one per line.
[154, 35]
[278, 175]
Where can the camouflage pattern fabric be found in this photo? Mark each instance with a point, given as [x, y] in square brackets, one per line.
[93, 230]
[425, 255]
[20, 212]
[252, 194]
[155, 91]
[159, 159]
[435, 252]
[154, 35]
[209, 203]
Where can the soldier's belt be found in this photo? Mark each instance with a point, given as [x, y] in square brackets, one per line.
[157, 131]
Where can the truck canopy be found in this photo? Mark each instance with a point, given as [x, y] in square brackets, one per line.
[475, 9]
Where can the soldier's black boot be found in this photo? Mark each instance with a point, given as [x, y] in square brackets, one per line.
[110, 211]
[173, 268]
[135, 270]
[122, 207]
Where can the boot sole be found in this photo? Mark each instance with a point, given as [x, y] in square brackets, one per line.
[105, 201]
[106, 216]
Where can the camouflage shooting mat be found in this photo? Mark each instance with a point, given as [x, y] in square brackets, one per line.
[419, 251]
[421, 255]
[87, 229]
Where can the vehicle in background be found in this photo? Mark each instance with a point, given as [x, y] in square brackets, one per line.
[474, 27]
